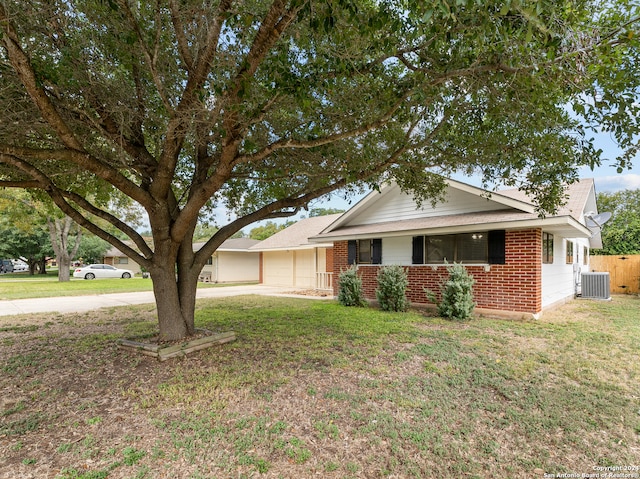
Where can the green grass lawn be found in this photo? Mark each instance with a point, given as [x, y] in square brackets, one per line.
[21, 285]
[313, 389]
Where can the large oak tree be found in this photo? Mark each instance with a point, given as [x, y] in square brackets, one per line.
[261, 106]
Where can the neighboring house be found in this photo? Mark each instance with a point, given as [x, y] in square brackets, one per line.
[231, 263]
[289, 259]
[117, 258]
[521, 263]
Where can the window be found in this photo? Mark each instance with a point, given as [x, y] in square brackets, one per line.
[210, 260]
[122, 260]
[365, 251]
[547, 248]
[585, 255]
[479, 247]
[440, 249]
[569, 252]
[471, 248]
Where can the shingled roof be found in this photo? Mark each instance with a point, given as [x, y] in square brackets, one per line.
[297, 235]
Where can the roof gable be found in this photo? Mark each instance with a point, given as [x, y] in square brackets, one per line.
[297, 235]
[392, 204]
[466, 208]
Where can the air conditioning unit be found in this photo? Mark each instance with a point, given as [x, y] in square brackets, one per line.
[595, 286]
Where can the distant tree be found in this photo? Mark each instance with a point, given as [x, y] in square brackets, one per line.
[324, 211]
[621, 234]
[33, 247]
[92, 249]
[27, 212]
[65, 236]
[268, 229]
[204, 232]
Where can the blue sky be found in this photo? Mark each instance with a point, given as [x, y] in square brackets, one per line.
[606, 178]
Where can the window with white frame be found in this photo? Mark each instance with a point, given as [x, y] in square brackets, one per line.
[570, 256]
[547, 248]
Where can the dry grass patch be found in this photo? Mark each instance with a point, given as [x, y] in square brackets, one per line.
[314, 389]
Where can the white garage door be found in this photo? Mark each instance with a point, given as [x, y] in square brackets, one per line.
[305, 270]
[277, 268]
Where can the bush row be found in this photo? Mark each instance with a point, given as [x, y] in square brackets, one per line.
[456, 292]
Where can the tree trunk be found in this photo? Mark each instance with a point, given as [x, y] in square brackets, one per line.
[59, 231]
[64, 267]
[175, 300]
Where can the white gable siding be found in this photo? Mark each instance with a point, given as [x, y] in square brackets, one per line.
[394, 205]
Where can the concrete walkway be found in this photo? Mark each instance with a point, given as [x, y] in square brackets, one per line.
[75, 304]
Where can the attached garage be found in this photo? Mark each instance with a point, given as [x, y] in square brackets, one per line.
[232, 262]
[277, 268]
[289, 260]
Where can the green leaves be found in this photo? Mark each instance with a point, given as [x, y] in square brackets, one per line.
[339, 92]
[621, 234]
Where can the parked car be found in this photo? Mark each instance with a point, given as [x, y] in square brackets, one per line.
[93, 271]
[6, 266]
[20, 266]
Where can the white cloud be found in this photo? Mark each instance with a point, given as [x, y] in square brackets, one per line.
[630, 181]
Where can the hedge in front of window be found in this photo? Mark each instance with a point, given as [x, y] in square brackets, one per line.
[350, 292]
[392, 288]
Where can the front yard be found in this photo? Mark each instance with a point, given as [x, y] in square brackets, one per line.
[312, 389]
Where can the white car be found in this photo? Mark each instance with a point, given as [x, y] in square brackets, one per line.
[17, 267]
[93, 271]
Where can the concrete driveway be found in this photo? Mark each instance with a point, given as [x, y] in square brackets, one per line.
[74, 304]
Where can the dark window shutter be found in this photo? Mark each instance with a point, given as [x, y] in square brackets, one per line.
[376, 251]
[352, 251]
[497, 247]
[417, 256]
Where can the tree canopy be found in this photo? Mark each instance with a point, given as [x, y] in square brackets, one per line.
[259, 107]
[268, 229]
[621, 234]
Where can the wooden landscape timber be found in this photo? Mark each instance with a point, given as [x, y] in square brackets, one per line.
[171, 350]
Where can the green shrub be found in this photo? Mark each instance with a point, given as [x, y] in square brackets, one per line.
[350, 288]
[457, 294]
[392, 288]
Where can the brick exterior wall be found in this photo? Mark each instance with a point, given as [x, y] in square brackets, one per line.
[514, 286]
[329, 260]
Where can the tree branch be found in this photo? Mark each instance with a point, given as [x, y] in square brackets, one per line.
[289, 143]
[150, 57]
[177, 128]
[178, 28]
[111, 219]
[59, 198]
[84, 160]
[22, 66]
[20, 184]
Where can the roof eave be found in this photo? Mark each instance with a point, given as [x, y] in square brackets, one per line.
[323, 244]
[556, 224]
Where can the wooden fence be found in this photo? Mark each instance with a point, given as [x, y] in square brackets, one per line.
[624, 272]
